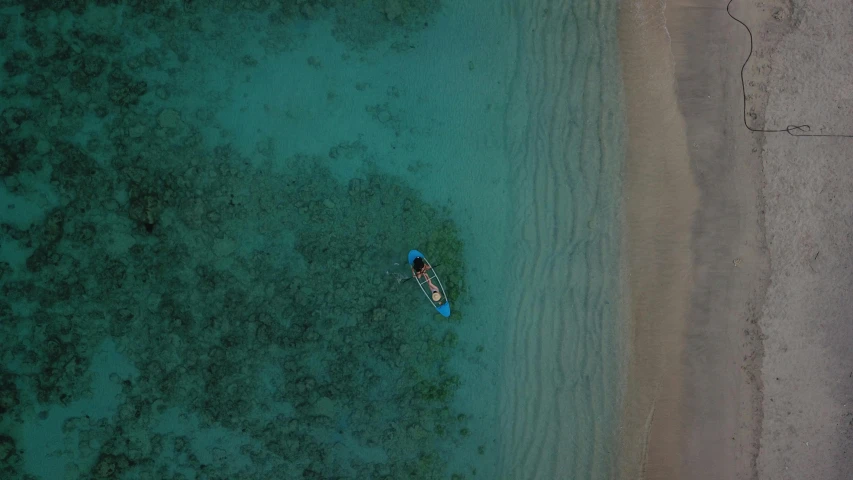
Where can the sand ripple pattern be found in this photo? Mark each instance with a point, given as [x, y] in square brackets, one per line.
[560, 395]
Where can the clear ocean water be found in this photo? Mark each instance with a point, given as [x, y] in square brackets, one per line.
[206, 214]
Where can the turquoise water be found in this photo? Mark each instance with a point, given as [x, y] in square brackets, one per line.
[561, 389]
[206, 212]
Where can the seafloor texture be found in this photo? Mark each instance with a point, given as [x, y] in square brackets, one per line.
[173, 308]
[564, 353]
[206, 212]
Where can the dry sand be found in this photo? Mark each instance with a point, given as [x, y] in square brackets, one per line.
[762, 351]
[807, 321]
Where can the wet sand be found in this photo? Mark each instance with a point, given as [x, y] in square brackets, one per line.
[753, 379]
[722, 391]
[660, 200]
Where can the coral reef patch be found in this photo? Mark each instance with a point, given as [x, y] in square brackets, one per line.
[235, 317]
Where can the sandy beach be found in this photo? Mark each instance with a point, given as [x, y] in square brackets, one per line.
[752, 379]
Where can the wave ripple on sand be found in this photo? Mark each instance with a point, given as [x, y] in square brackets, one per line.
[563, 131]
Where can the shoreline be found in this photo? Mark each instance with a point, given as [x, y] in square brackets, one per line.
[660, 198]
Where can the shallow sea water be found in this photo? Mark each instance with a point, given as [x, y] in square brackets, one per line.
[206, 212]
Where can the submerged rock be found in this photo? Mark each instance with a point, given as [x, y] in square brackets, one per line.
[110, 466]
[7, 447]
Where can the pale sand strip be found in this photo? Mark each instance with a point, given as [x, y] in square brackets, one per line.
[660, 199]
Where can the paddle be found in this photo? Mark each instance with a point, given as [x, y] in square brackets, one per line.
[406, 280]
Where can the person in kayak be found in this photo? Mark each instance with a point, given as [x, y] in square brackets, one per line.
[419, 270]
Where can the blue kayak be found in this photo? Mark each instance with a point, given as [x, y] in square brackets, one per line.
[431, 285]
